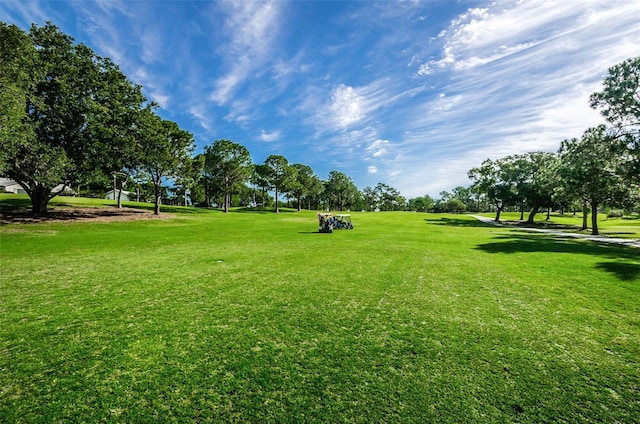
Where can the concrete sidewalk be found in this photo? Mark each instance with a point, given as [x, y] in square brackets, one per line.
[599, 239]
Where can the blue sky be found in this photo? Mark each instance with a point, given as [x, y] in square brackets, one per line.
[412, 94]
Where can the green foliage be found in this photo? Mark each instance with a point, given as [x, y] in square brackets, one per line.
[16, 57]
[619, 103]
[165, 149]
[591, 167]
[227, 169]
[421, 204]
[304, 184]
[340, 191]
[277, 175]
[619, 100]
[70, 113]
[251, 317]
[494, 179]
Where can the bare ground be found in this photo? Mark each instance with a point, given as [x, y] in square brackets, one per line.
[105, 214]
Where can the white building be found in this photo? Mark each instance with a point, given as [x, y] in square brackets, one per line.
[113, 195]
[9, 186]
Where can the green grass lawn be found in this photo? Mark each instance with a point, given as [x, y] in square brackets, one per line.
[256, 317]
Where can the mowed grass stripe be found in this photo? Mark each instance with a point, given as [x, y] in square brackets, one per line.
[254, 317]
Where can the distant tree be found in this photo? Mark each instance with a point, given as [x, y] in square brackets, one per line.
[540, 186]
[227, 167]
[165, 150]
[388, 198]
[421, 204]
[304, 184]
[370, 198]
[454, 206]
[116, 126]
[590, 166]
[490, 178]
[188, 176]
[313, 192]
[532, 177]
[445, 196]
[447, 202]
[260, 180]
[464, 194]
[340, 191]
[278, 175]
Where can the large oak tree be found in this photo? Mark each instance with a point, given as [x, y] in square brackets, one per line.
[69, 111]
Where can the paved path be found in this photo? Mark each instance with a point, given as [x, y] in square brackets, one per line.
[601, 239]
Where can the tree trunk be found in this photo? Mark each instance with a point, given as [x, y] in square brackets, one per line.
[522, 212]
[122, 184]
[498, 211]
[532, 214]
[299, 204]
[594, 218]
[277, 209]
[39, 200]
[156, 210]
[585, 214]
[548, 214]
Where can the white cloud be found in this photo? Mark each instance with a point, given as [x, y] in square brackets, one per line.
[269, 136]
[372, 169]
[346, 106]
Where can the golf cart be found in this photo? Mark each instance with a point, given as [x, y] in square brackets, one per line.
[343, 222]
[327, 222]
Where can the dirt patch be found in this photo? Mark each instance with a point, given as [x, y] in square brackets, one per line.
[107, 214]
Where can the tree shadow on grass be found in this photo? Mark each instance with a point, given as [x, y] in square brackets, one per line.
[458, 222]
[624, 271]
[531, 243]
[10, 204]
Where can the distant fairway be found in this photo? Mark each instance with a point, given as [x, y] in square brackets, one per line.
[256, 317]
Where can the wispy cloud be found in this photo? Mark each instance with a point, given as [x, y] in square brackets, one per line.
[26, 12]
[252, 27]
[518, 79]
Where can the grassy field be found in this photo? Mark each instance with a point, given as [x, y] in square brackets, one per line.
[255, 317]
